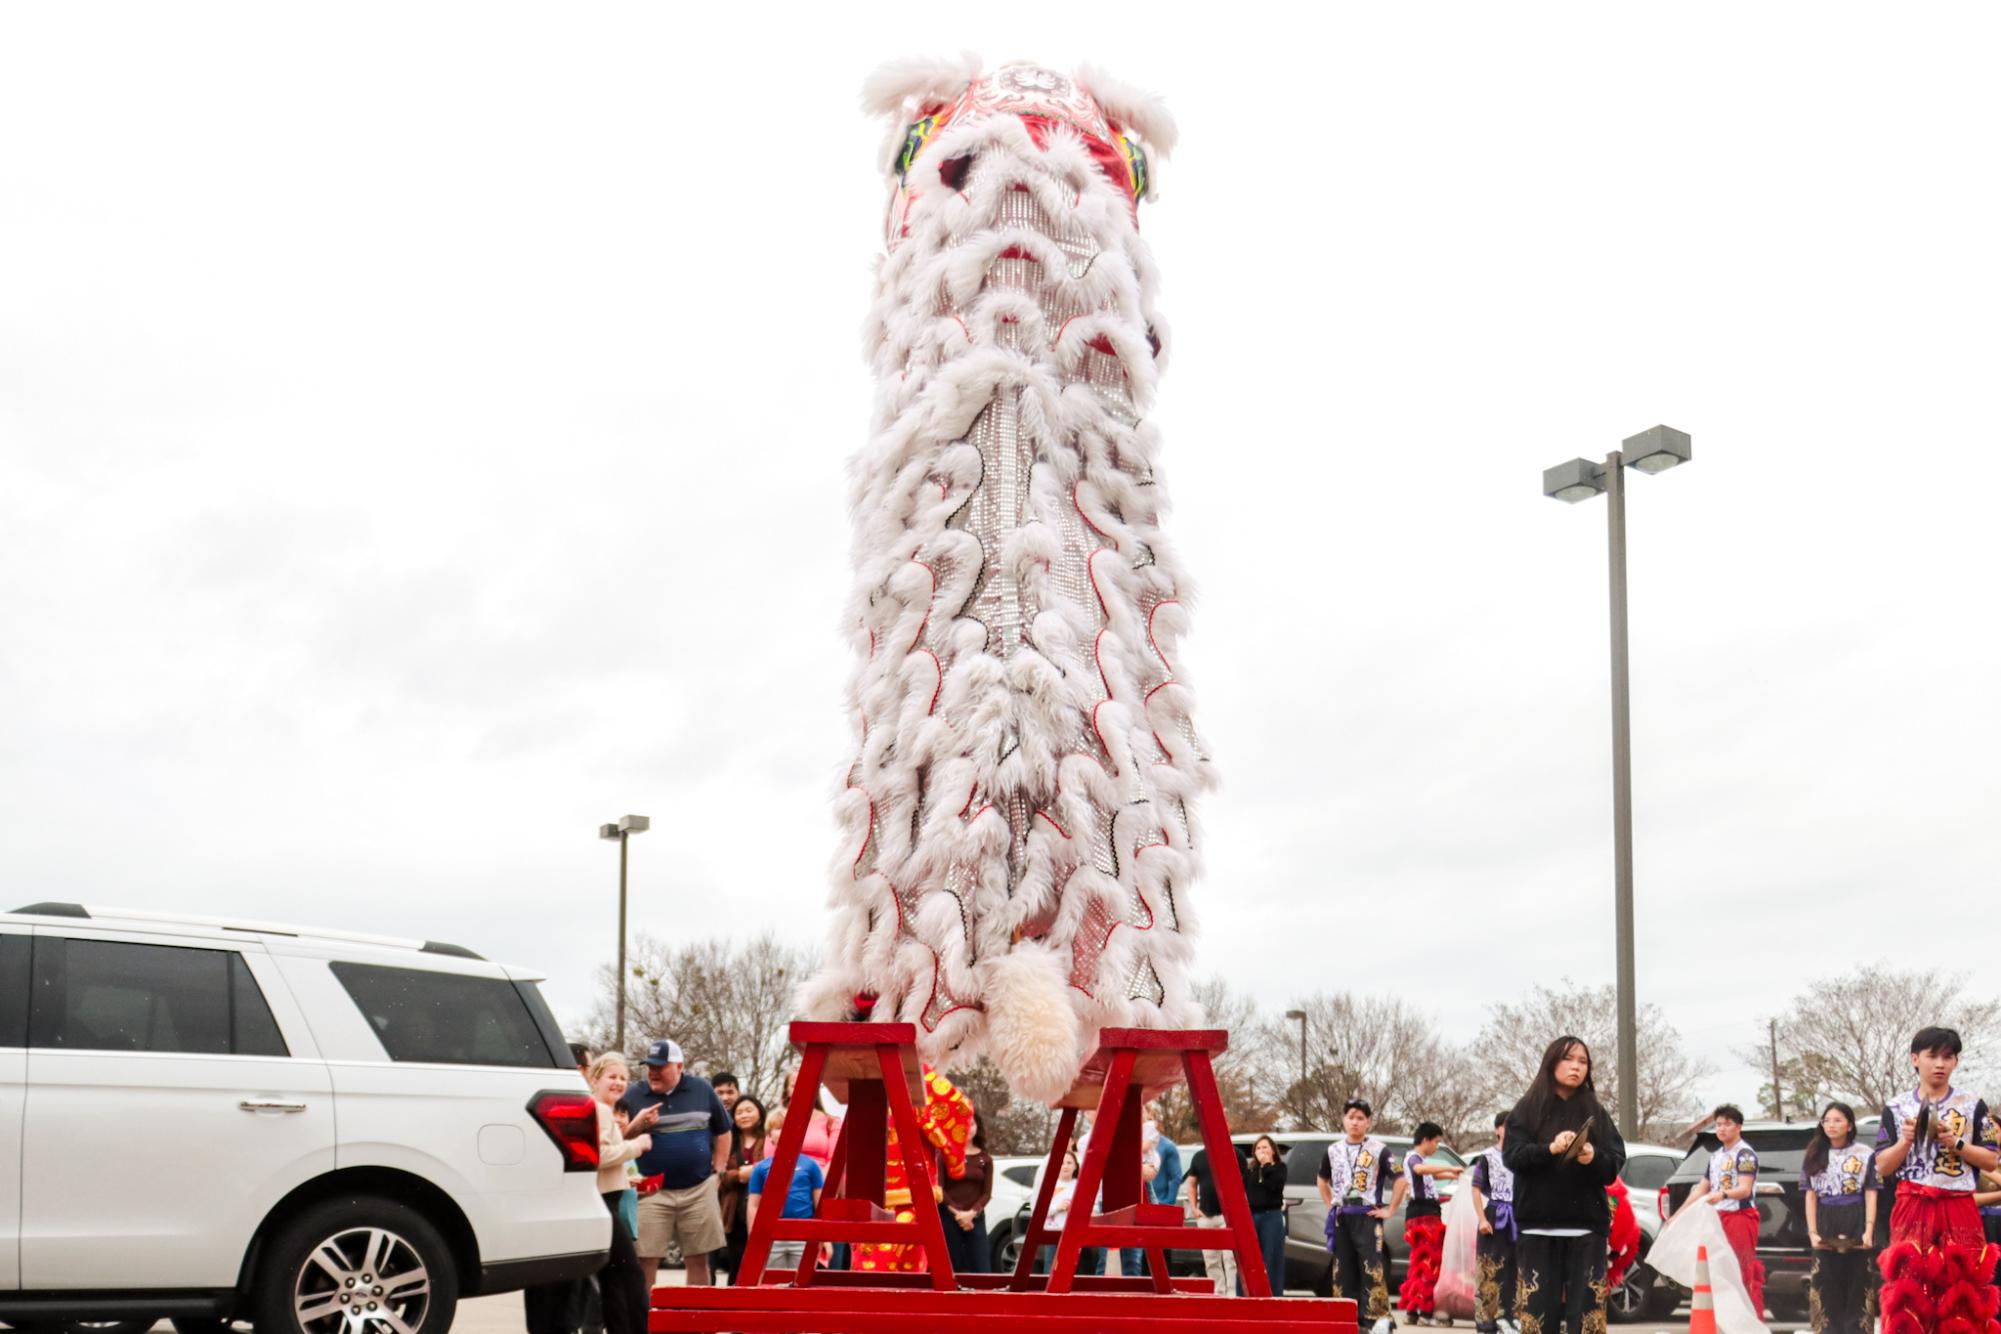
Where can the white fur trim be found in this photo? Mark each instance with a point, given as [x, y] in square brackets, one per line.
[1142, 112]
[1031, 1027]
[896, 83]
[1018, 839]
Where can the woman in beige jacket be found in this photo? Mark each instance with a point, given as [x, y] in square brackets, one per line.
[621, 1283]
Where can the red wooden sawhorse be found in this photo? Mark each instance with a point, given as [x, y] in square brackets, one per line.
[1130, 1067]
[874, 1069]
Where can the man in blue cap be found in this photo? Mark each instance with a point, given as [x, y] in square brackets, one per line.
[691, 1146]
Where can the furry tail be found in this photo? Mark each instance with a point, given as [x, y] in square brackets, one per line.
[1031, 1026]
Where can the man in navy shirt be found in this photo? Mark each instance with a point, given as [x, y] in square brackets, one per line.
[691, 1146]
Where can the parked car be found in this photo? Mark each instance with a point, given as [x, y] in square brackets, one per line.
[205, 1120]
[1014, 1196]
[1642, 1295]
[1782, 1244]
[1308, 1265]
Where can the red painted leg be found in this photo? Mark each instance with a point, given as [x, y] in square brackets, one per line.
[1091, 1175]
[1222, 1162]
[1024, 1265]
[916, 1154]
[757, 1249]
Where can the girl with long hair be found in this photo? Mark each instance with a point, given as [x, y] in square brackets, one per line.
[1264, 1185]
[962, 1206]
[1564, 1151]
[621, 1283]
[746, 1152]
[1838, 1182]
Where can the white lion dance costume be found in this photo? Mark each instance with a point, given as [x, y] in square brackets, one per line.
[1020, 821]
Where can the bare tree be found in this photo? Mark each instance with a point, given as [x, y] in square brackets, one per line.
[1510, 1047]
[1242, 1074]
[1372, 1047]
[1853, 1032]
[1013, 1125]
[727, 1004]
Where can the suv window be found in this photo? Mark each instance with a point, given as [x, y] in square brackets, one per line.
[447, 1018]
[1303, 1158]
[1648, 1171]
[14, 990]
[113, 995]
[1021, 1174]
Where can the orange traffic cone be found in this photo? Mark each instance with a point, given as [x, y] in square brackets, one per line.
[1702, 1311]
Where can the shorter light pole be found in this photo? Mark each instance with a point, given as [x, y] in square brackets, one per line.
[627, 826]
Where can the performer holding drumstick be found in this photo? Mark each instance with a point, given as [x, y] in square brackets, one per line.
[1564, 1151]
[1934, 1143]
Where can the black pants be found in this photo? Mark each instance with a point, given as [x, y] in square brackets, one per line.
[622, 1283]
[1361, 1265]
[552, 1308]
[1495, 1294]
[1561, 1285]
[1838, 1297]
[971, 1250]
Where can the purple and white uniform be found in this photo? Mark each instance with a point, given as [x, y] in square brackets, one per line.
[1496, 1185]
[1728, 1169]
[1927, 1164]
[1359, 1174]
[1424, 1200]
[1849, 1173]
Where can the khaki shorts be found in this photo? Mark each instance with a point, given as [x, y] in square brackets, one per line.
[694, 1216]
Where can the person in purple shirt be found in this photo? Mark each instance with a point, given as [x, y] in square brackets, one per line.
[1494, 1188]
[1353, 1181]
[1838, 1183]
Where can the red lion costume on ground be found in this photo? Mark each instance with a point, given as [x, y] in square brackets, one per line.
[1938, 1289]
[1623, 1242]
[1426, 1239]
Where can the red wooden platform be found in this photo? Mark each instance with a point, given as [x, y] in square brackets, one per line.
[873, 1068]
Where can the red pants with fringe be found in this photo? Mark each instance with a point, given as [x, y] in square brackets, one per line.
[1741, 1229]
[1938, 1270]
[1426, 1239]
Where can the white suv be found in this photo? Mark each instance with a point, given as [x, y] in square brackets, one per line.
[313, 1131]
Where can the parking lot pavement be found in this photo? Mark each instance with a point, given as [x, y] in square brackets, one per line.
[501, 1314]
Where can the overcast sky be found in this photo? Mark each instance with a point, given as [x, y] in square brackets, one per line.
[422, 434]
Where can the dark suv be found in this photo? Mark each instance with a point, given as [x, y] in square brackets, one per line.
[1782, 1244]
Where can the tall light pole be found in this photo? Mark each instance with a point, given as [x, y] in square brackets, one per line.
[1654, 450]
[627, 826]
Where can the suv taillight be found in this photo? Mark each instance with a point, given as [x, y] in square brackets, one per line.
[1661, 1205]
[571, 1119]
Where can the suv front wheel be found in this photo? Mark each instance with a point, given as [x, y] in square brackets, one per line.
[362, 1266]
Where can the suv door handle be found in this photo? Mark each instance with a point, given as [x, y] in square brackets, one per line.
[266, 1105]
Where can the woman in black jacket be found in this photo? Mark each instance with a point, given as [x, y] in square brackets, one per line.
[1564, 1151]
[1264, 1183]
